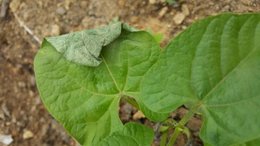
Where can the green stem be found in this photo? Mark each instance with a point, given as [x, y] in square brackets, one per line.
[176, 133]
[164, 138]
[186, 118]
[182, 123]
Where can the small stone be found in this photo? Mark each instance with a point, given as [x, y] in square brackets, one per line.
[31, 93]
[2, 116]
[5, 110]
[152, 1]
[194, 124]
[121, 3]
[21, 84]
[14, 5]
[32, 80]
[134, 19]
[246, 2]
[4, 7]
[27, 134]
[61, 11]
[6, 139]
[185, 10]
[44, 129]
[13, 119]
[83, 4]
[37, 100]
[138, 115]
[226, 8]
[55, 30]
[68, 3]
[178, 18]
[163, 12]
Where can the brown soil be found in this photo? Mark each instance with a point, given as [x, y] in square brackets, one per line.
[22, 114]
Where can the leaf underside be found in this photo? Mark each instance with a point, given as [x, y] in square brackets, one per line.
[214, 66]
[84, 47]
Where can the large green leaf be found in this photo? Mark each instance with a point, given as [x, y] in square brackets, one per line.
[85, 99]
[213, 67]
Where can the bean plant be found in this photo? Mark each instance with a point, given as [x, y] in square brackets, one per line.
[212, 68]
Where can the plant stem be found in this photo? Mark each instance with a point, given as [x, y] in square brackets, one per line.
[186, 118]
[176, 133]
[164, 138]
[182, 123]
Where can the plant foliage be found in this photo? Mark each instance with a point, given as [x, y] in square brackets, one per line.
[213, 68]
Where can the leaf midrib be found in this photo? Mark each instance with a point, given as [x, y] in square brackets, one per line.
[110, 74]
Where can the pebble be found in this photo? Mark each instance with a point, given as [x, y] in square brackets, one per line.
[27, 134]
[31, 93]
[37, 100]
[6, 139]
[138, 115]
[83, 4]
[178, 18]
[68, 3]
[55, 30]
[194, 124]
[163, 12]
[2, 116]
[185, 10]
[134, 19]
[61, 11]
[152, 1]
[14, 5]
[5, 110]
[32, 81]
[21, 84]
[4, 6]
[246, 2]
[121, 3]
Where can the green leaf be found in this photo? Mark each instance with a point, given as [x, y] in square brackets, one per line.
[213, 67]
[85, 99]
[131, 135]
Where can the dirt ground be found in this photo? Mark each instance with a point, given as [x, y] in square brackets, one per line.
[24, 23]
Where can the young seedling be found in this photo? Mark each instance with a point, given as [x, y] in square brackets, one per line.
[212, 68]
